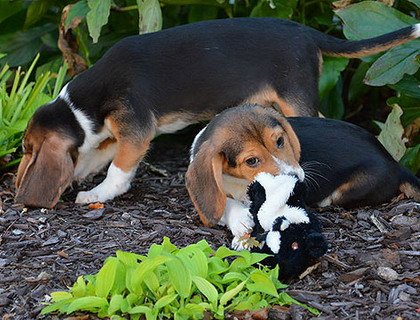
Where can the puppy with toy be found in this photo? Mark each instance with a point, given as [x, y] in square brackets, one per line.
[340, 164]
[283, 226]
[162, 82]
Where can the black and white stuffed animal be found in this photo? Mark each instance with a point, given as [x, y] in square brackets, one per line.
[284, 227]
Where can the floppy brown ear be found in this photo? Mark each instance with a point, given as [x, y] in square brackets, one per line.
[43, 176]
[205, 186]
[293, 139]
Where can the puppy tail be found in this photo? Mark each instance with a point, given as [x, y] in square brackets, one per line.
[410, 185]
[331, 46]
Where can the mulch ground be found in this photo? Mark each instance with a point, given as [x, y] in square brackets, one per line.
[370, 272]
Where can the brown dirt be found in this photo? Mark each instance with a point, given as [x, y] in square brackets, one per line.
[46, 250]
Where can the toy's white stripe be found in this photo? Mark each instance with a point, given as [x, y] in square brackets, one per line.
[273, 241]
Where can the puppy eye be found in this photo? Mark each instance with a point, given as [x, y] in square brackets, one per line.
[295, 246]
[252, 162]
[280, 142]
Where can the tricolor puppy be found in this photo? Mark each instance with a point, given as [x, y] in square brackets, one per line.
[341, 164]
[284, 227]
[164, 81]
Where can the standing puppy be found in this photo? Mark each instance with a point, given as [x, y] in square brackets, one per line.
[342, 164]
[162, 82]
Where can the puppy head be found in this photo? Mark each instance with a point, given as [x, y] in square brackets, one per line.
[295, 240]
[240, 142]
[47, 166]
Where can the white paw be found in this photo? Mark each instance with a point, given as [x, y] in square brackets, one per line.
[88, 197]
[238, 244]
[242, 225]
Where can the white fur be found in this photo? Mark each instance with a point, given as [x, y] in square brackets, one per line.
[416, 30]
[93, 161]
[273, 241]
[116, 182]
[294, 215]
[289, 170]
[195, 142]
[278, 190]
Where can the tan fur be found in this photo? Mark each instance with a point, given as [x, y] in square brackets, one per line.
[369, 52]
[410, 191]
[267, 97]
[46, 169]
[204, 183]
[250, 134]
[132, 144]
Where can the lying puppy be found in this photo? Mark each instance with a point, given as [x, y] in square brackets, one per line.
[344, 164]
[162, 82]
[283, 228]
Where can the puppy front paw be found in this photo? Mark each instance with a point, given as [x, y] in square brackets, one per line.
[242, 224]
[88, 197]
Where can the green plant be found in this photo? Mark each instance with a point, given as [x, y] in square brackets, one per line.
[175, 283]
[18, 103]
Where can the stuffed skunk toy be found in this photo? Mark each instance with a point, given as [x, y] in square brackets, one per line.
[284, 227]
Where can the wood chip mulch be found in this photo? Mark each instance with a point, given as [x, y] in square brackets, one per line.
[372, 270]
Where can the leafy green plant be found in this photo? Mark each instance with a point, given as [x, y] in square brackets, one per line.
[18, 103]
[175, 283]
[398, 68]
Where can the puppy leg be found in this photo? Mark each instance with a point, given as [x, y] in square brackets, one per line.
[238, 219]
[132, 144]
[95, 160]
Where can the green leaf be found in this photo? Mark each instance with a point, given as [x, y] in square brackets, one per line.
[179, 276]
[369, 19]
[106, 277]
[87, 304]
[79, 288]
[60, 295]
[274, 8]
[391, 135]
[9, 8]
[411, 159]
[331, 71]
[261, 283]
[129, 258]
[194, 260]
[206, 288]
[201, 13]
[332, 105]
[78, 10]
[357, 89]
[97, 17]
[141, 309]
[409, 86]
[36, 11]
[62, 306]
[233, 276]
[416, 2]
[115, 303]
[231, 293]
[165, 300]
[150, 16]
[391, 67]
[144, 269]
[22, 46]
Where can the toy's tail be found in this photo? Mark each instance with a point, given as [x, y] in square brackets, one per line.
[331, 46]
[410, 185]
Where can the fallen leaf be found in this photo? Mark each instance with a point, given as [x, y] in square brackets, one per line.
[96, 205]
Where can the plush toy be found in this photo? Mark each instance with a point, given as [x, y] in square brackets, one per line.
[284, 227]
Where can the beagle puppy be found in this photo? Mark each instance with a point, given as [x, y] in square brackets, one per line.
[161, 82]
[340, 163]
